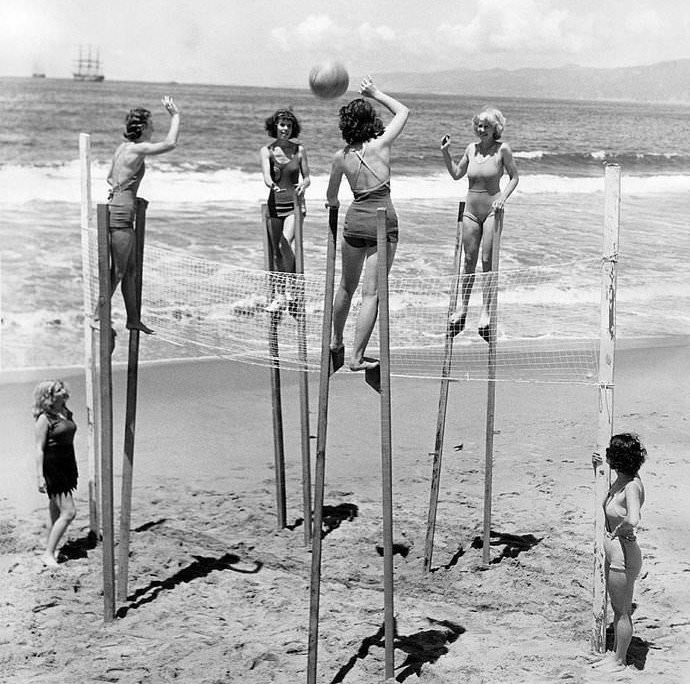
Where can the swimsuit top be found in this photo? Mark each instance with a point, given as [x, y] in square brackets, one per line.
[61, 429]
[362, 162]
[485, 172]
[286, 174]
[614, 512]
[131, 183]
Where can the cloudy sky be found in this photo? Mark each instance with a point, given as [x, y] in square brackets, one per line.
[257, 42]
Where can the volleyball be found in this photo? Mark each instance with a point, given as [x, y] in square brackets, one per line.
[329, 80]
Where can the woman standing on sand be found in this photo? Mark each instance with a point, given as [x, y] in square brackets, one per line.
[484, 162]
[366, 163]
[625, 454]
[126, 171]
[282, 163]
[56, 466]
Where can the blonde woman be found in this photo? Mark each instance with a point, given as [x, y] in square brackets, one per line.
[56, 466]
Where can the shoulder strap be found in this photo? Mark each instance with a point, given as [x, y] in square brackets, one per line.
[363, 162]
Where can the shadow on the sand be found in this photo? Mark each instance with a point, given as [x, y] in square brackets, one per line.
[79, 548]
[332, 517]
[452, 562]
[426, 646]
[637, 651]
[400, 549]
[513, 544]
[201, 567]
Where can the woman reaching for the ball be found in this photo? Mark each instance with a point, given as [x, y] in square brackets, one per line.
[365, 162]
[282, 162]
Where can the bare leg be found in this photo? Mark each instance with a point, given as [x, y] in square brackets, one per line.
[352, 263]
[620, 586]
[62, 512]
[282, 234]
[471, 239]
[489, 281]
[369, 309]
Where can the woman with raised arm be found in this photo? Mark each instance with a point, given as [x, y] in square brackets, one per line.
[365, 161]
[56, 466]
[282, 163]
[126, 171]
[485, 162]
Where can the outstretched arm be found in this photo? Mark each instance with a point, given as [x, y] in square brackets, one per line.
[511, 168]
[398, 109]
[457, 169]
[170, 142]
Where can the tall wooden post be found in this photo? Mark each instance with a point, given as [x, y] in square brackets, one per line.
[607, 349]
[106, 413]
[320, 465]
[301, 320]
[491, 387]
[90, 344]
[443, 397]
[386, 442]
[131, 413]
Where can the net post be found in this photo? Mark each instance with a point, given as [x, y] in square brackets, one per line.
[106, 413]
[320, 465]
[607, 349]
[90, 348]
[131, 411]
[386, 440]
[301, 319]
[443, 396]
[276, 400]
[491, 386]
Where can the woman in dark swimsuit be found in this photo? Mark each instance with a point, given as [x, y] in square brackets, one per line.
[282, 163]
[126, 171]
[56, 466]
[484, 162]
[365, 162]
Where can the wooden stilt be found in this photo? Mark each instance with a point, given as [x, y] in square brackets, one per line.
[437, 453]
[301, 319]
[131, 414]
[320, 466]
[491, 388]
[386, 443]
[106, 413]
[607, 349]
[276, 400]
[90, 344]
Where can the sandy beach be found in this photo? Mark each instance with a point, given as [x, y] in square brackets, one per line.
[218, 594]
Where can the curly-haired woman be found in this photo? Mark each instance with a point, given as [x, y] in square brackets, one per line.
[365, 161]
[56, 466]
[485, 162]
[625, 454]
[126, 171]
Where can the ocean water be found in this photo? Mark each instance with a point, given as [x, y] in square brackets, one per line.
[205, 202]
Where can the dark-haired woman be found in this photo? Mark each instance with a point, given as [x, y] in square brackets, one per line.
[56, 466]
[126, 171]
[365, 161]
[625, 454]
[282, 163]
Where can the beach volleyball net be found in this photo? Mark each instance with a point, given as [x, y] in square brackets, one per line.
[547, 331]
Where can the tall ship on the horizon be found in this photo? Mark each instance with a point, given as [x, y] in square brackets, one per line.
[88, 66]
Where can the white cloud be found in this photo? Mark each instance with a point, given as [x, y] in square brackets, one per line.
[371, 36]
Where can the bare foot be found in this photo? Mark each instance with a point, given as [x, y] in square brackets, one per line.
[456, 322]
[610, 666]
[49, 560]
[277, 304]
[140, 327]
[364, 364]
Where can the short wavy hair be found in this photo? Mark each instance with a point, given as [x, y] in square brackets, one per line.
[135, 123]
[44, 396]
[494, 117]
[359, 121]
[625, 453]
[271, 123]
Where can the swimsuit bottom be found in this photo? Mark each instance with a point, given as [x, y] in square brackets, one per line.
[122, 210]
[282, 208]
[360, 220]
[623, 555]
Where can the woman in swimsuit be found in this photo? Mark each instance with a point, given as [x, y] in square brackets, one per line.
[365, 162]
[282, 163]
[484, 162]
[56, 467]
[126, 171]
[625, 454]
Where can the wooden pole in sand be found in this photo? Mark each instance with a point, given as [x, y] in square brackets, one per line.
[437, 453]
[491, 387]
[131, 412]
[276, 401]
[320, 466]
[386, 442]
[90, 349]
[106, 413]
[607, 349]
[301, 319]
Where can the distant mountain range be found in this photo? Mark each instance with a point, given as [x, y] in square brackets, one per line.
[661, 82]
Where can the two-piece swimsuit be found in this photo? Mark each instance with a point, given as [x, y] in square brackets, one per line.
[359, 229]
